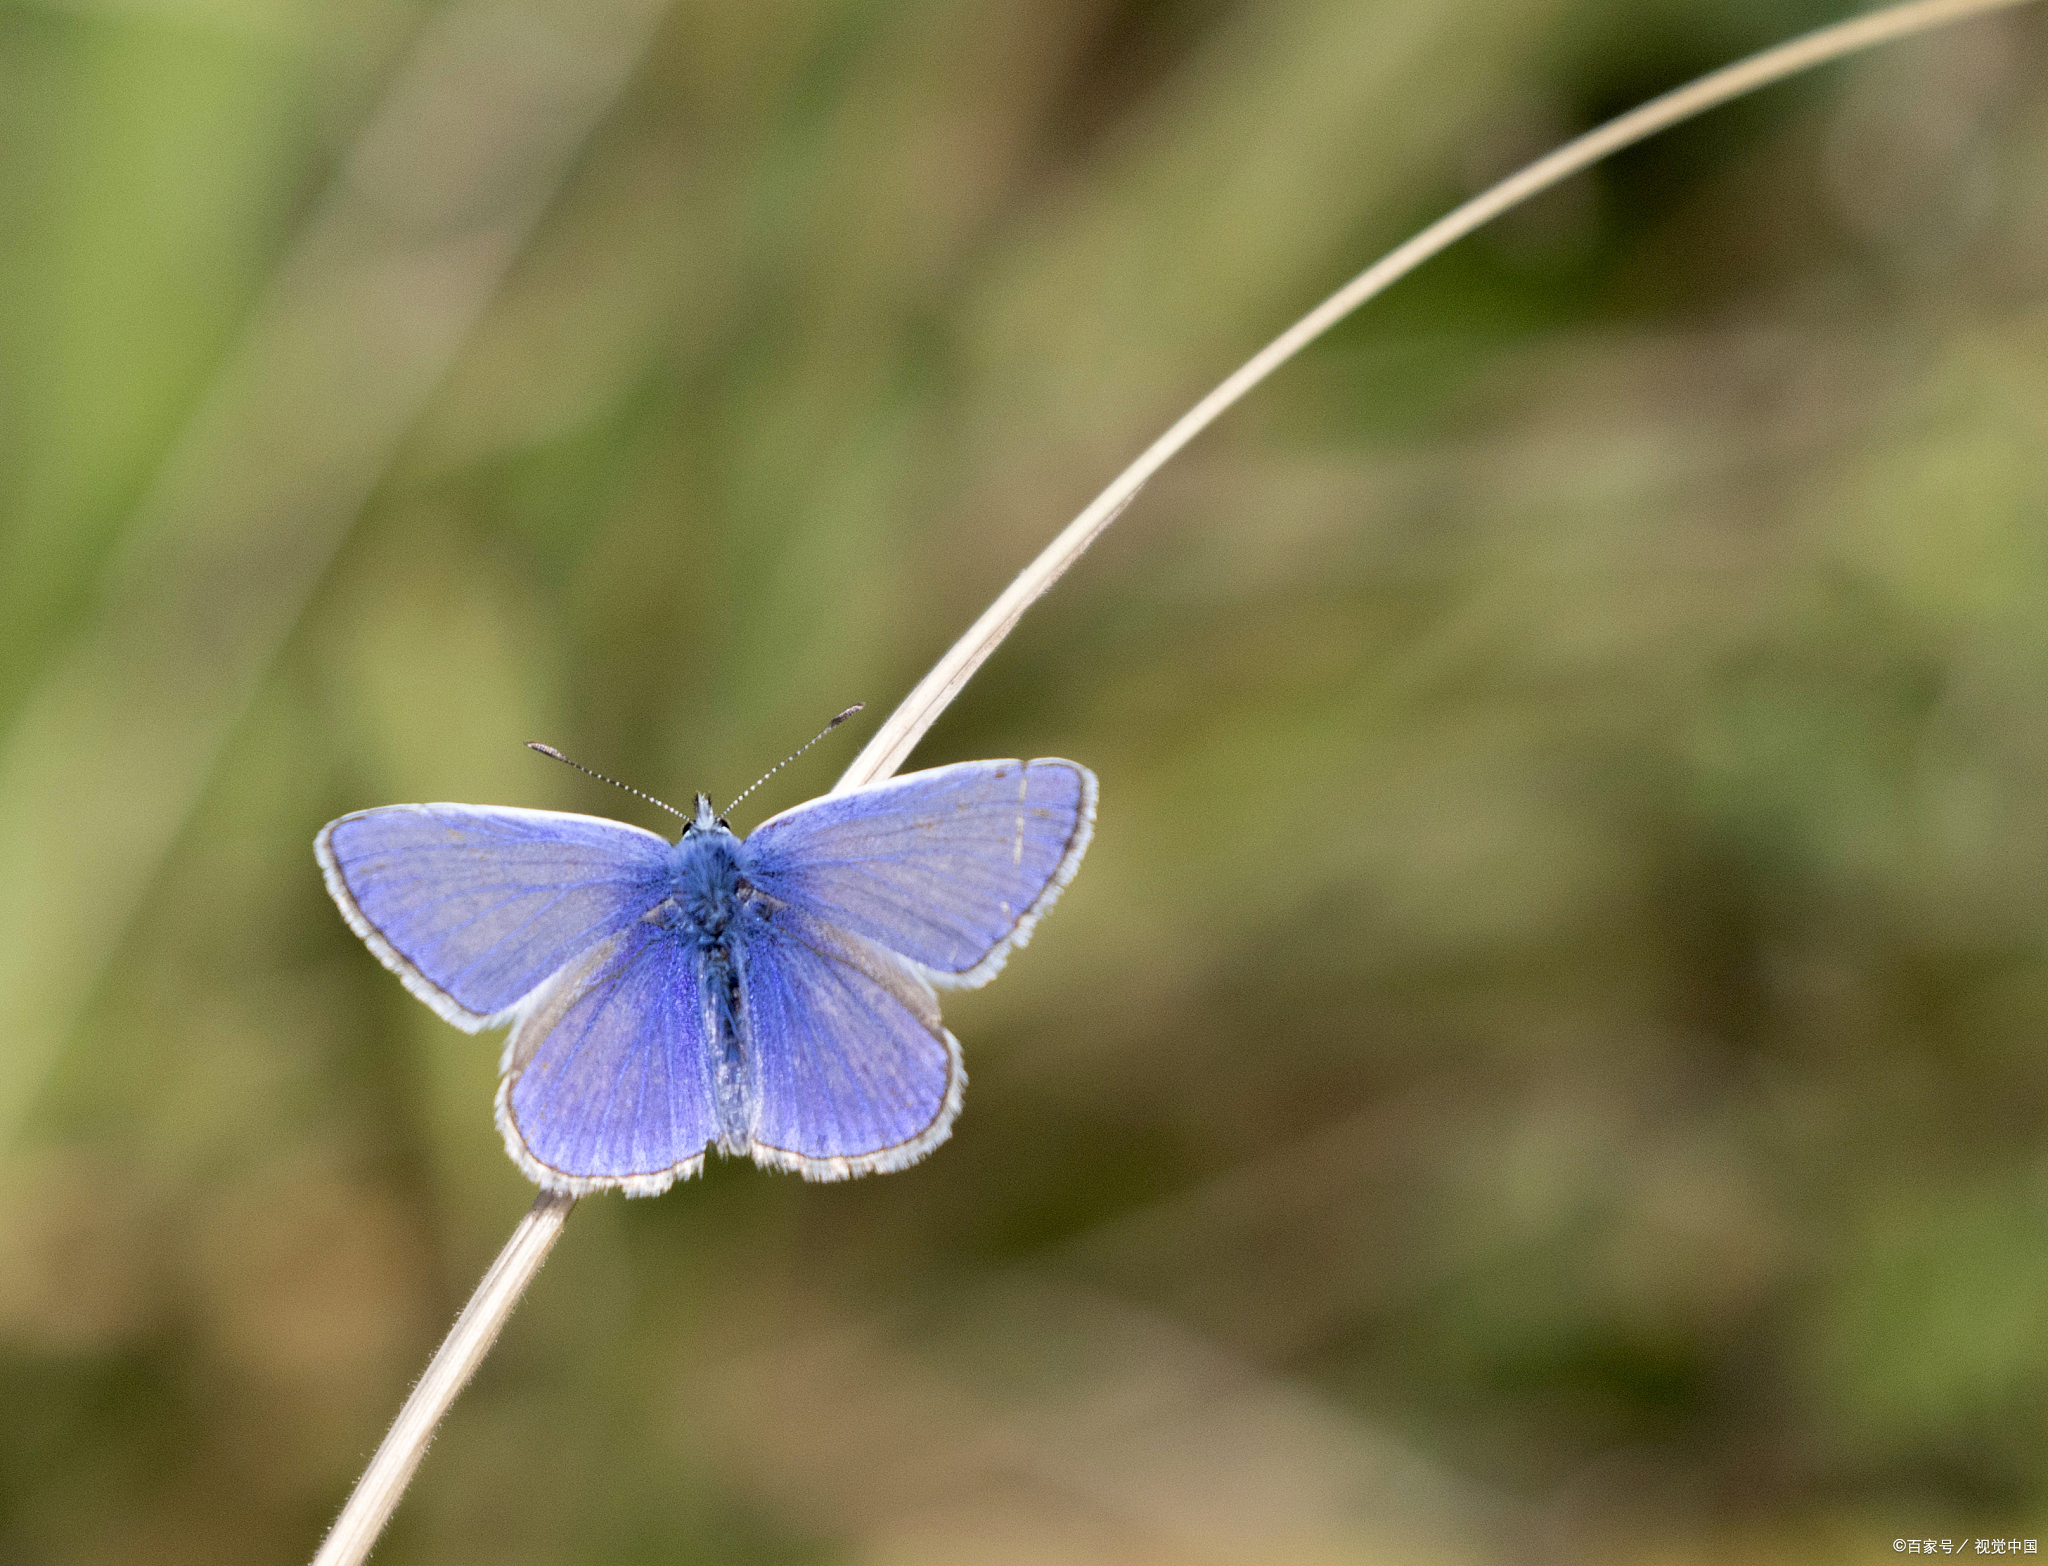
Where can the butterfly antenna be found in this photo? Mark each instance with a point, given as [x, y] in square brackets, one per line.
[549, 750]
[786, 760]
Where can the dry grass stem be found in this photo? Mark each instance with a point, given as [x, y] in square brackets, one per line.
[469, 1340]
[913, 718]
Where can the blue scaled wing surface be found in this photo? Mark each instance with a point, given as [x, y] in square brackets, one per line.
[474, 906]
[608, 1078]
[949, 869]
[868, 899]
[852, 1071]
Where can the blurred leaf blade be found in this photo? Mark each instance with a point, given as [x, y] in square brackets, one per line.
[365, 314]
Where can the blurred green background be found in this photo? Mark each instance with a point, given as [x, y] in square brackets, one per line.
[1548, 1054]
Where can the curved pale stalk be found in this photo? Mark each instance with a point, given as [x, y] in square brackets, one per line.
[900, 732]
[371, 1503]
[470, 1339]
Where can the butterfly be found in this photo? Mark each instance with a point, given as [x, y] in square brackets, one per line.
[771, 995]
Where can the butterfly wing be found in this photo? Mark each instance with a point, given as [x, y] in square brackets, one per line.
[608, 1073]
[473, 906]
[949, 868]
[853, 1073]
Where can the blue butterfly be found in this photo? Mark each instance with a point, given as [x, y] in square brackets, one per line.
[770, 996]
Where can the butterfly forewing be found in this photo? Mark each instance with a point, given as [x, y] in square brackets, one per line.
[474, 906]
[950, 868]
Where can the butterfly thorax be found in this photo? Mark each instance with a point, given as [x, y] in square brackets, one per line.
[705, 891]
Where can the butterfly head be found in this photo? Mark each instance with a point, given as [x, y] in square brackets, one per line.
[706, 818]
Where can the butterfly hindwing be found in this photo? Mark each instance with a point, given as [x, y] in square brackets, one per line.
[608, 1076]
[852, 1072]
[473, 906]
[949, 868]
